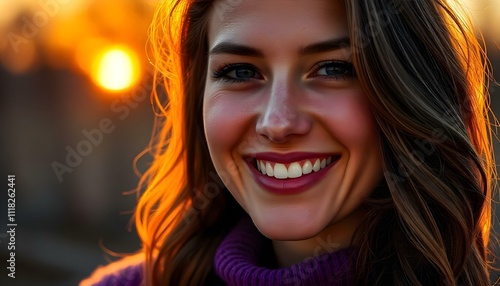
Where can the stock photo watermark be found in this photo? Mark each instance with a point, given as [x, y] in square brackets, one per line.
[10, 236]
[311, 263]
[31, 26]
[122, 107]
[424, 149]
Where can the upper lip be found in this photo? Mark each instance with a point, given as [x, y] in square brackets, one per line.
[286, 158]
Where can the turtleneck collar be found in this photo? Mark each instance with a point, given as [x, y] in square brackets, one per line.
[238, 256]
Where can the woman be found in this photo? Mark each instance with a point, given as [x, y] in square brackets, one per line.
[321, 142]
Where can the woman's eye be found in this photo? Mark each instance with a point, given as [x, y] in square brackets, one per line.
[242, 73]
[334, 69]
[236, 73]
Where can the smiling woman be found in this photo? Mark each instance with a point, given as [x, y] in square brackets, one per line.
[320, 142]
[289, 100]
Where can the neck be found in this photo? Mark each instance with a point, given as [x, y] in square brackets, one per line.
[334, 237]
[238, 260]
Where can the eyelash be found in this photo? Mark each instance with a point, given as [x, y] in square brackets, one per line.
[222, 72]
[347, 66]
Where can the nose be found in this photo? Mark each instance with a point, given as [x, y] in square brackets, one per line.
[283, 116]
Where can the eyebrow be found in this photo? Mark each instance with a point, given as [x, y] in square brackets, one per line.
[326, 46]
[316, 48]
[235, 49]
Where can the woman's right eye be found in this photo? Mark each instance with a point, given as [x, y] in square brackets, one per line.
[236, 73]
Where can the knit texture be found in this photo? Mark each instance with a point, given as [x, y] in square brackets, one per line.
[124, 272]
[237, 257]
[238, 262]
[130, 276]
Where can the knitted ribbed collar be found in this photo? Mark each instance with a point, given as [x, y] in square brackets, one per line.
[237, 257]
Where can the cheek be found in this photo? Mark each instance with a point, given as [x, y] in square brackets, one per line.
[224, 122]
[351, 120]
[215, 121]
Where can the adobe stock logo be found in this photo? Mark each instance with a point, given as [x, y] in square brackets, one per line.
[31, 25]
[122, 107]
[84, 148]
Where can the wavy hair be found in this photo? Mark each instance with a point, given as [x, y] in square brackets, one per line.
[424, 73]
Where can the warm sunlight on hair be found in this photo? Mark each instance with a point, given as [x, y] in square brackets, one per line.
[116, 69]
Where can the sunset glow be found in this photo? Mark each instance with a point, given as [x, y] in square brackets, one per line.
[116, 69]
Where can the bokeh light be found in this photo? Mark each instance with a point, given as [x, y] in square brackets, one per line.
[116, 69]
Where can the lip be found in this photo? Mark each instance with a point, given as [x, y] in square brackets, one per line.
[289, 157]
[289, 186]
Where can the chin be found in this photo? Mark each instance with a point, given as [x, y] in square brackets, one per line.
[287, 228]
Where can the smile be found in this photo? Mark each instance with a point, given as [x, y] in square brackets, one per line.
[295, 169]
[292, 173]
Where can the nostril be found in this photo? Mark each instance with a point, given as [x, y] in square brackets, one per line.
[280, 131]
[274, 138]
[274, 134]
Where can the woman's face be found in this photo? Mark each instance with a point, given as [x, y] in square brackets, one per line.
[288, 128]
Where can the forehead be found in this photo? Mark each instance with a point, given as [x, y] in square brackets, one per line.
[272, 21]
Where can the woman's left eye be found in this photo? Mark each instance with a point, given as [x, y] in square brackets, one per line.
[333, 69]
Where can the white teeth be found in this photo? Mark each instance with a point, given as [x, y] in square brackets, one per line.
[307, 168]
[294, 170]
[280, 171]
[323, 163]
[316, 166]
[269, 170]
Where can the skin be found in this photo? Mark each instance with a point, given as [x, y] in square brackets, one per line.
[286, 101]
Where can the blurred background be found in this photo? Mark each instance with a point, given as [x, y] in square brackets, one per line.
[75, 111]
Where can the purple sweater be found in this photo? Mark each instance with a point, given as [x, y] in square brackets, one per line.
[238, 262]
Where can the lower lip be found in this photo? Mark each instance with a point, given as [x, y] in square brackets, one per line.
[289, 186]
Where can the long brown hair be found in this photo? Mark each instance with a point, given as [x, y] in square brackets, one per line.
[423, 71]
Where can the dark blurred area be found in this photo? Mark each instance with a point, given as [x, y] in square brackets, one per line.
[74, 113]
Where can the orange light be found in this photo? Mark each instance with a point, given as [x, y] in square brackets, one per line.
[116, 69]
